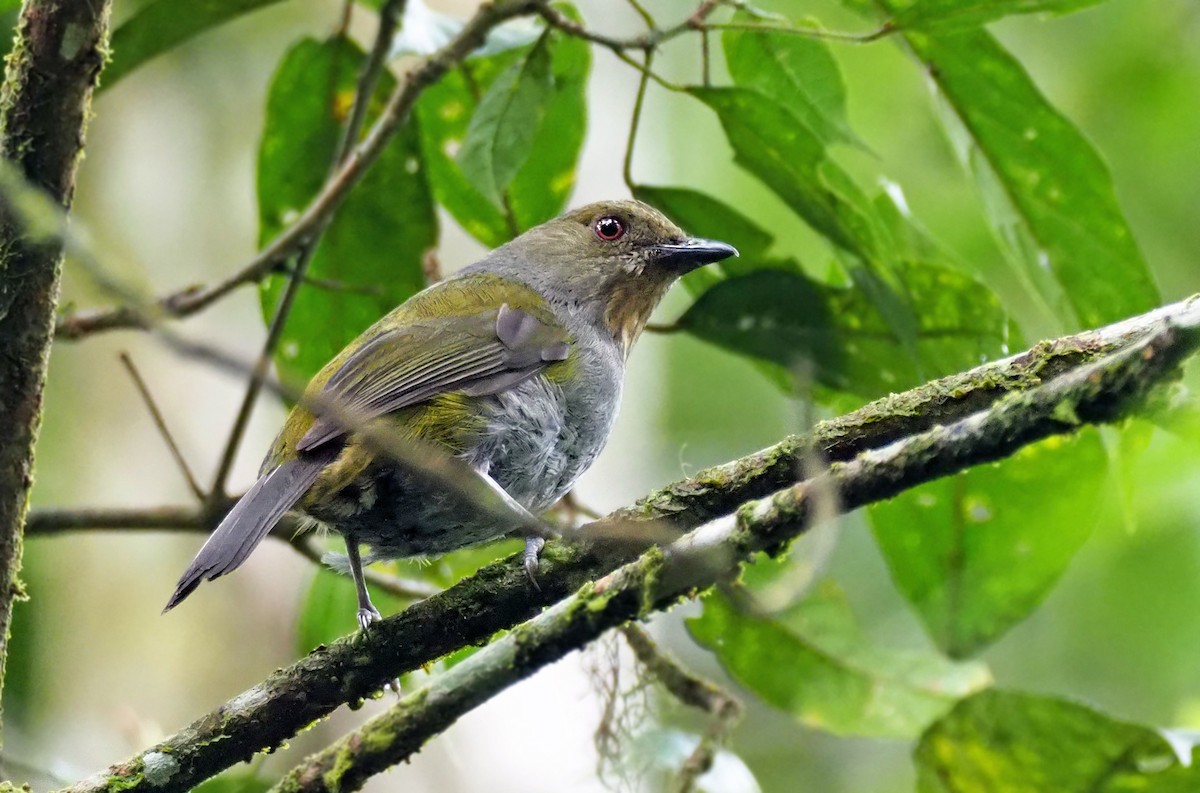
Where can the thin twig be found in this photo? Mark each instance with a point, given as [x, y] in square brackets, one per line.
[694, 691]
[635, 121]
[424, 72]
[161, 424]
[406, 588]
[368, 78]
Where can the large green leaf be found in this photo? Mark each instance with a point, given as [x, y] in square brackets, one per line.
[790, 158]
[977, 552]
[798, 71]
[372, 252]
[1006, 742]
[160, 25]
[503, 128]
[1056, 182]
[931, 14]
[542, 184]
[814, 663]
[782, 316]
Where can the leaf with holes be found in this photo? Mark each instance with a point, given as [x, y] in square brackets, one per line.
[1031, 158]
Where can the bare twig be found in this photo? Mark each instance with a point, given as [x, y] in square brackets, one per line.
[406, 588]
[635, 121]
[367, 80]
[161, 424]
[694, 691]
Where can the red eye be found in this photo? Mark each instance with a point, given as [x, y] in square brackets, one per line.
[609, 229]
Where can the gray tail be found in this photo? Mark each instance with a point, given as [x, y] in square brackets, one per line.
[250, 520]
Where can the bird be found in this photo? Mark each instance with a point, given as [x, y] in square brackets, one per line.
[514, 365]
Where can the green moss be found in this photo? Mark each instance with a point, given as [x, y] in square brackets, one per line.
[127, 777]
[652, 564]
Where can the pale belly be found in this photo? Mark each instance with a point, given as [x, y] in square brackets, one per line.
[536, 443]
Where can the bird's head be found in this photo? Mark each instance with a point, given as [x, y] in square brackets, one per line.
[612, 260]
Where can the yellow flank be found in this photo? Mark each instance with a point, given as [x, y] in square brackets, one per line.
[445, 420]
[443, 416]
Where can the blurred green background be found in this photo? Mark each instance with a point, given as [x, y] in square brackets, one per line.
[167, 193]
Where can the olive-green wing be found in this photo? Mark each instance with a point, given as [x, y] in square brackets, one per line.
[480, 354]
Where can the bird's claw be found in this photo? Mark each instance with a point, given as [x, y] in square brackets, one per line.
[367, 615]
[533, 546]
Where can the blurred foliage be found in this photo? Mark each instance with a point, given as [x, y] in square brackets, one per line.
[1007, 742]
[158, 27]
[850, 297]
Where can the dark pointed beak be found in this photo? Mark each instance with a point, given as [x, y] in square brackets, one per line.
[693, 253]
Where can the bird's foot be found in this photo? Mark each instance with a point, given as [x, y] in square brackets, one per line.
[368, 614]
[533, 547]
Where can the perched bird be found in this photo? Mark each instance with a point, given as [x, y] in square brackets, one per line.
[514, 365]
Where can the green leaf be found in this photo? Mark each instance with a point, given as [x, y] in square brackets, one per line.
[330, 609]
[946, 14]
[782, 316]
[1006, 742]
[1057, 183]
[502, 131]
[799, 72]
[542, 185]
[370, 258]
[815, 664]
[163, 24]
[235, 781]
[791, 159]
[976, 553]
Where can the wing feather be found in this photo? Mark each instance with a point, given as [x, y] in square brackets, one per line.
[477, 355]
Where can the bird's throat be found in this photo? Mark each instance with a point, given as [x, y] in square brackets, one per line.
[630, 304]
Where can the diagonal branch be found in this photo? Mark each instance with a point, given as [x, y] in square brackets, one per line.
[912, 440]
[1100, 392]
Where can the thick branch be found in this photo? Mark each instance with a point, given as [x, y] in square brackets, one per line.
[499, 596]
[44, 105]
[1100, 392]
[423, 73]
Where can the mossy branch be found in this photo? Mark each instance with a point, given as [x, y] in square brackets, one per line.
[52, 71]
[891, 445]
[1100, 392]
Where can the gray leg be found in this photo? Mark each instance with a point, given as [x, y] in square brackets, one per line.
[533, 546]
[367, 613]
